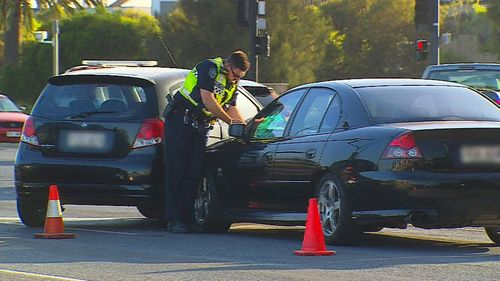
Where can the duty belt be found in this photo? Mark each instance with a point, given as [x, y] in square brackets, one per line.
[191, 119]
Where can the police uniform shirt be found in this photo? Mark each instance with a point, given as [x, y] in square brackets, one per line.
[206, 73]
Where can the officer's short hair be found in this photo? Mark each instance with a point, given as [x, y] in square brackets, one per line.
[239, 59]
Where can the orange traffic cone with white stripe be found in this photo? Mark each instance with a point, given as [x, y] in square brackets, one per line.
[54, 226]
[314, 239]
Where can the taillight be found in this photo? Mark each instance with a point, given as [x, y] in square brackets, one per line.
[150, 133]
[29, 132]
[403, 147]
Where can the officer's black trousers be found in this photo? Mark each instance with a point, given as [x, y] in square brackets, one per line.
[184, 150]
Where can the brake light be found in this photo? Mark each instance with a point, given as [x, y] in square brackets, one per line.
[29, 133]
[403, 147]
[150, 133]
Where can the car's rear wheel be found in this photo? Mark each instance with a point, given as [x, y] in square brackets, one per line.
[335, 211]
[32, 212]
[493, 233]
[206, 205]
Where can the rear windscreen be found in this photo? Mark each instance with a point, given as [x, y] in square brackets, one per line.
[96, 101]
[426, 103]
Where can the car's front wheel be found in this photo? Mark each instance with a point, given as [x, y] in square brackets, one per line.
[493, 233]
[206, 206]
[335, 211]
[32, 212]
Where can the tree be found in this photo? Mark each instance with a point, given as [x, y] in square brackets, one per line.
[99, 35]
[15, 13]
[200, 29]
[299, 33]
[106, 36]
[375, 39]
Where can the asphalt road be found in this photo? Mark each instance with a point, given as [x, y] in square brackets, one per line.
[117, 243]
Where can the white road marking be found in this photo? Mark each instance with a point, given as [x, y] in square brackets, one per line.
[43, 276]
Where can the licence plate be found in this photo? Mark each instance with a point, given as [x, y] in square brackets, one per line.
[476, 154]
[13, 134]
[85, 141]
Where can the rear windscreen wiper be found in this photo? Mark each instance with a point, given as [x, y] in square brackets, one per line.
[89, 113]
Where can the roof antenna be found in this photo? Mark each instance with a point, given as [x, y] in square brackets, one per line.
[164, 45]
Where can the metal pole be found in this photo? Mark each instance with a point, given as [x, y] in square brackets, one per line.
[434, 40]
[252, 18]
[55, 48]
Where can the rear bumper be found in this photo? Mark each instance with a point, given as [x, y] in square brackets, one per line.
[126, 181]
[428, 200]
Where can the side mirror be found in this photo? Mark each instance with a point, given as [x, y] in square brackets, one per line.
[237, 130]
[22, 108]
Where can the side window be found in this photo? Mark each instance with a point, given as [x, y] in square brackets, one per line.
[332, 116]
[311, 112]
[246, 107]
[273, 122]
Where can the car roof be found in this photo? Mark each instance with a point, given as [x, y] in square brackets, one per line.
[153, 74]
[455, 66]
[250, 83]
[380, 82]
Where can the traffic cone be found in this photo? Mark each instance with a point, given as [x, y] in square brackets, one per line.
[314, 240]
[54, 226]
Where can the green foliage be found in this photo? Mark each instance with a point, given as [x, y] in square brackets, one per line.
[202, 29]
[493, 13]
[375, 39]
[105, 35]
[100, 35]
[23, 82]
[298, 42]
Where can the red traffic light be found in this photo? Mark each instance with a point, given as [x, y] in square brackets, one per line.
[422, 45]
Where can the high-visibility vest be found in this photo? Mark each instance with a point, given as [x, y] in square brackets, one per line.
[222, 95]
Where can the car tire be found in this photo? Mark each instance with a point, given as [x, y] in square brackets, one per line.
[335, 211]
[206, 206]
[32, 212]
[148, 211]
[493, 233]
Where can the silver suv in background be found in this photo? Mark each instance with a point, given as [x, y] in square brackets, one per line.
[484, 77]
[261, 92]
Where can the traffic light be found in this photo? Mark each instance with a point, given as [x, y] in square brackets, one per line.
[421, 48]
[262, 45]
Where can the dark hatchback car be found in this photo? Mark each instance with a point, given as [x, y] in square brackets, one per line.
[375, 152]
[96, 134]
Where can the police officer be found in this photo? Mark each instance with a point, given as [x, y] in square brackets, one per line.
[208, 93]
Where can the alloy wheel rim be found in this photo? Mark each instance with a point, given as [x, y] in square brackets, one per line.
[329, 207]
[201, 201]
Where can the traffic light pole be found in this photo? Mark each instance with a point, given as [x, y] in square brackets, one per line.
[434, 36]
[252, 17]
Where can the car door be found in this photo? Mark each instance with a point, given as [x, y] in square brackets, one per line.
[248, 164]
[297, 158]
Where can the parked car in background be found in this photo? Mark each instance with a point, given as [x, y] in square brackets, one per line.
[261, 92]
[375, 152]
[96, 133]
[11, 120]
[485, 77]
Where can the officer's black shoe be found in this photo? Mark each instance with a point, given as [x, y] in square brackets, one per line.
[178, 226]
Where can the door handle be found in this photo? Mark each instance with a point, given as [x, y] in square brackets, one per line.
[311, 153]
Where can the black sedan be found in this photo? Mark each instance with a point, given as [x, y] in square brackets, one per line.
[375, 152]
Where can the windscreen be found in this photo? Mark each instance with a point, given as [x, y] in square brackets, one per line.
[7, 105]
[391, 104]
[476, 78]
[96, 101]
